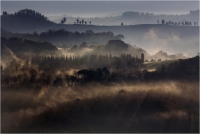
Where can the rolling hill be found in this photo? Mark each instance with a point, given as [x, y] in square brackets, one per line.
[151, 37]
[24, 20]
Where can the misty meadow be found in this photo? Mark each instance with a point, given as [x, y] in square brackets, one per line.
[125, 70]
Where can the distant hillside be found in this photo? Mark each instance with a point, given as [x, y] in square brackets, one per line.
[152, 37]
[134, 17]
[21, 47]
[24, 20]
[63, 38]
[8, 34]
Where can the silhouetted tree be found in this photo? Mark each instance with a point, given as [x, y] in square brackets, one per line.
[73, 79]
[5, 13]
[106, 72]
[74, 47]
[186, 23]
[163, 22]
[77, 21]
[120, 36]
[1, 68]
[63, 20]
[58, 82]
[83, 45]
[142, 57]
[27, 63]
[116, 45]
[16, 67]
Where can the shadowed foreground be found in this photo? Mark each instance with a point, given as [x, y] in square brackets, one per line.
[148, 107]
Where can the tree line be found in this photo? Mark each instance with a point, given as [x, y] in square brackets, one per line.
[46, 74]
[42, 68]
[27, 13]
[186, 23]
[82, 22]
[63, 38]
[124, 62]
[24, 19]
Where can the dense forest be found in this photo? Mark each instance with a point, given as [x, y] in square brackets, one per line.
[93, 69]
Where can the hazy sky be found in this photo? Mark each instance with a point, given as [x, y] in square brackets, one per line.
[100, 8]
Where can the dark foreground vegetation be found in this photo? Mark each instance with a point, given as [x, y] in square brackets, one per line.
[171, 106]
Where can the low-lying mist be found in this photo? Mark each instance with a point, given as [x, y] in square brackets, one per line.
[165, 106]
[155, 40]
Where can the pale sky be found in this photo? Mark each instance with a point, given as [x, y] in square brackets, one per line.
[100, 8]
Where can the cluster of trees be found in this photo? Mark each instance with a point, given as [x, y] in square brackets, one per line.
[82, 22]
[63, 20]
[132, 14]
[125, 62]
[186, 23]
[24, 19]
[116, 45]
[30, 13]
[5, 13]
[63, 38]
